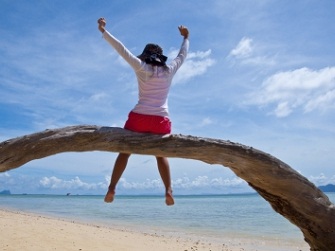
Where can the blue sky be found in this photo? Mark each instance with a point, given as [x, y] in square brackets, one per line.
[260, 73]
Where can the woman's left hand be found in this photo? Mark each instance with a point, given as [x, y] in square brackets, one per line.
[102, 23]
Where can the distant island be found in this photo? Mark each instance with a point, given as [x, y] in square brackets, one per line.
[327, 188]
[6, 192]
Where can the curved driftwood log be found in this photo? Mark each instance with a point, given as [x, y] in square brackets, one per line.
[288, 192]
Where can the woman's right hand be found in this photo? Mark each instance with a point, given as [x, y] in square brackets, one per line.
[102, 23]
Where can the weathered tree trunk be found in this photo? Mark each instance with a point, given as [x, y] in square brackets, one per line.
[288, 192]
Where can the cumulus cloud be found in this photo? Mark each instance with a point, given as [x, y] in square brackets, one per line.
[55, 183]
[197, 63]
[206, 121]
[198, 184]
[6, 180]
[182, 185]
[243, 49]
[206, 182]
[303, 88]
[97, 97]
[147, 184]
[322, 179]
[246, 53]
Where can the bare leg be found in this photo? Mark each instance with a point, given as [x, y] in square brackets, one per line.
[119, 166]
[164, 171]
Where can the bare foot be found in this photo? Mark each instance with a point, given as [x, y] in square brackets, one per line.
[169, 201]
[109, 196]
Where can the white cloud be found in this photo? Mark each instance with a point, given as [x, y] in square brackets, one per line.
[97, 97]
[205, 122]
[199, 54]
[196, 63]
[283, 109]
[322, 102]
[55, 183]
[322, 180]
[303, 88]
[199, 183]
[246, 53]
[243, 49]
[147, 184]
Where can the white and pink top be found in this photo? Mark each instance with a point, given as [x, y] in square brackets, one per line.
[153, 81]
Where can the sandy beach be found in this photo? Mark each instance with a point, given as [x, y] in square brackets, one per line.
[29, 232]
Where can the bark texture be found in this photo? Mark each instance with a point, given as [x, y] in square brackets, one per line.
[289, 193]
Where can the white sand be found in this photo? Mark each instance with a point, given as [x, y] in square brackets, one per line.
[29, 232]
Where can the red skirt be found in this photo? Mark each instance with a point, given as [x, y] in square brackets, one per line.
[148, 123]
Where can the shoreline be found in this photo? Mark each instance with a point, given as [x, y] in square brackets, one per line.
[22, 230]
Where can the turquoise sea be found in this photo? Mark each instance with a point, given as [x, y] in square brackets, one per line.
[246, 216]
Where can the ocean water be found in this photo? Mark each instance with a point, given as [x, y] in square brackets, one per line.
[205, 217]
